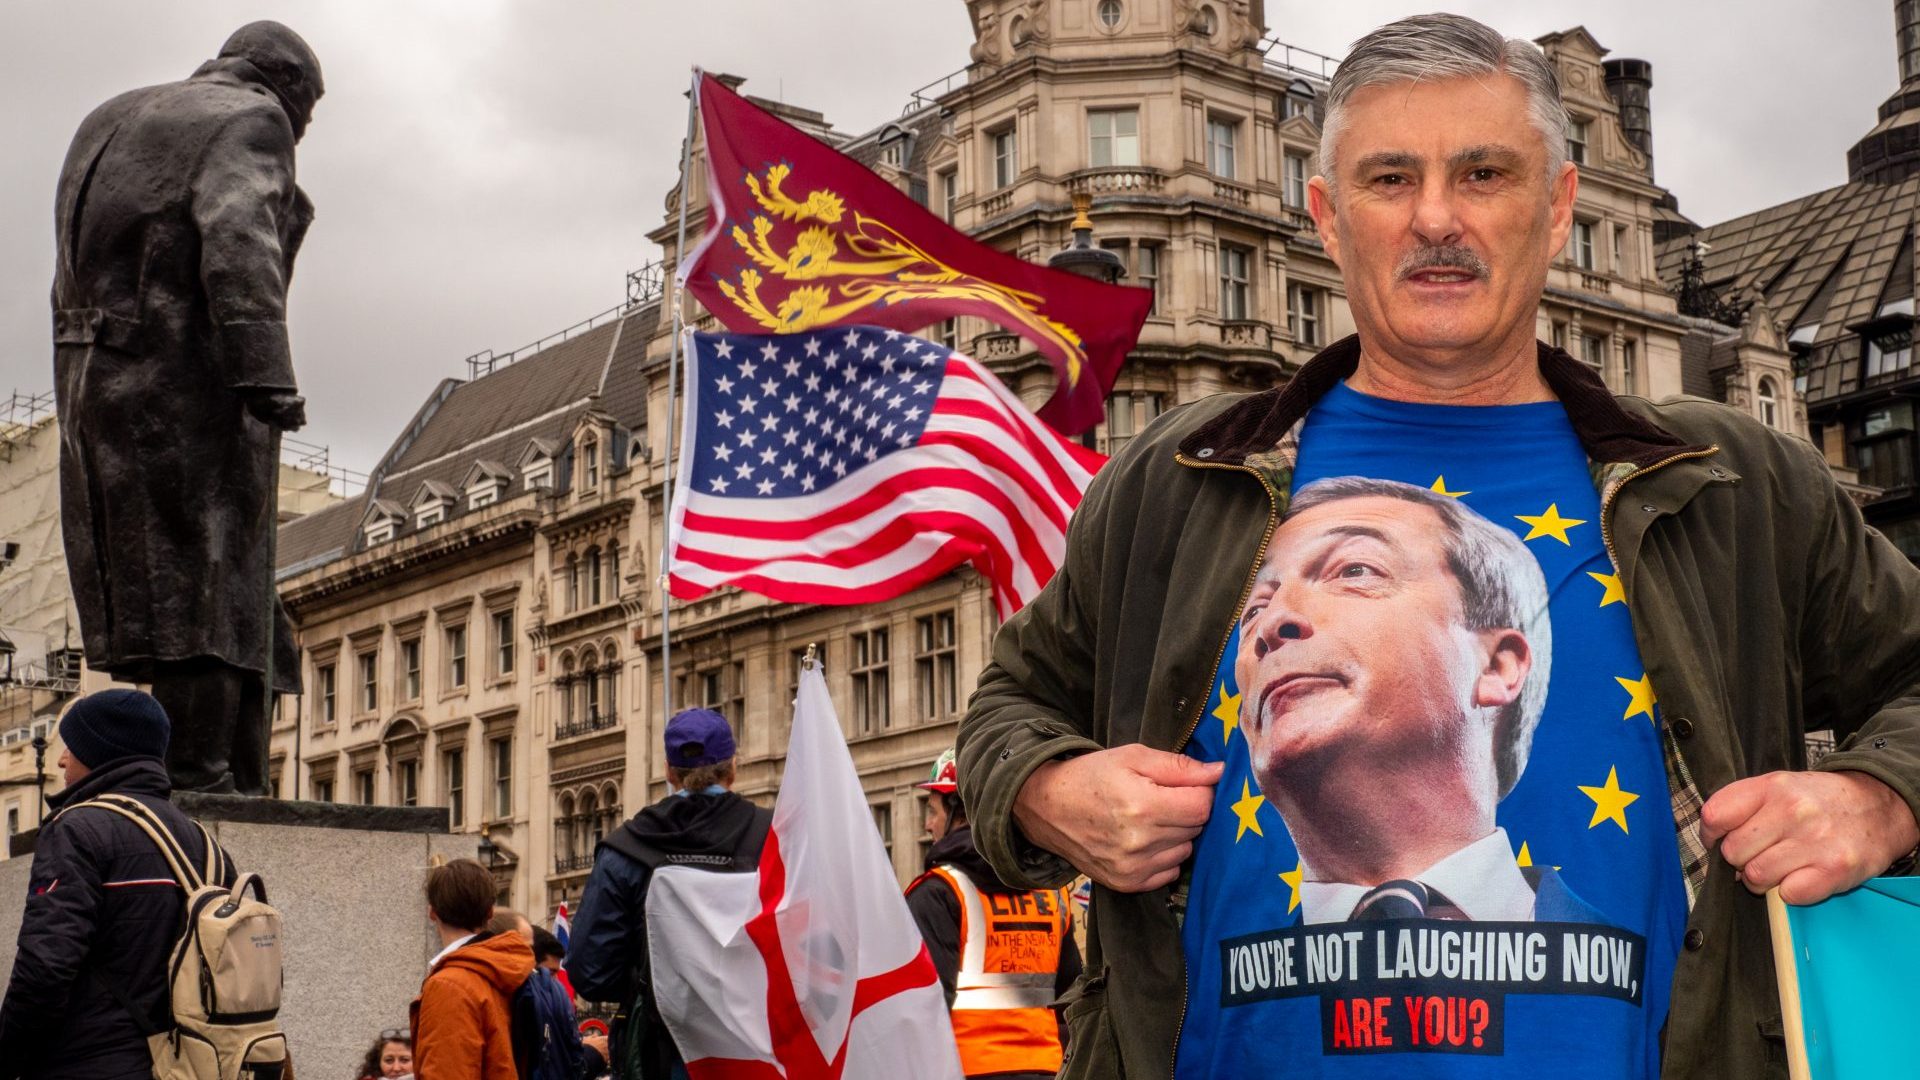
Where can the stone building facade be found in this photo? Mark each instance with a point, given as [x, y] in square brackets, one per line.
[489, 611]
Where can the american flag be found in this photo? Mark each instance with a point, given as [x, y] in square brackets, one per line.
[852, 465]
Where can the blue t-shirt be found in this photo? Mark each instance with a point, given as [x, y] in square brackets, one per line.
[1442, 845]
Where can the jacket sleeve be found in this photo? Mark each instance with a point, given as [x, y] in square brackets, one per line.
[1860, 643]
[56, 936]
[1034, 702]
[243, 204]
[936, 911]
[608, 930]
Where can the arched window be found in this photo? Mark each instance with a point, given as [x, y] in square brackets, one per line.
[573, 583]
[587, 822]
[613, 567]
[610, 806]
[563, 847]
[564, 685]
[1769, 401]
[593, 577]
[590, 686]
[589, 465]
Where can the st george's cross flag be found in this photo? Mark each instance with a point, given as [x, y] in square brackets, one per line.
[811, 967]
[852, 465]
[801, 236]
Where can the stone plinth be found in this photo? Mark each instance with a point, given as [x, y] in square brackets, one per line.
[348, 881]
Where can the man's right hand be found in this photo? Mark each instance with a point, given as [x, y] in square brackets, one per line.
[1125, 817]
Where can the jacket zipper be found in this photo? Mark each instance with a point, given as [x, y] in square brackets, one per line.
[1253, 574]
[1606, 501]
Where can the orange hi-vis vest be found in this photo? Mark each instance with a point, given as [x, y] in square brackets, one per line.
[1003, 994]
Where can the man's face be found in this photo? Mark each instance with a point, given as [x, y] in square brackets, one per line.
[939, 822]
[1441, 216]
[71, 771]
[1353, 647]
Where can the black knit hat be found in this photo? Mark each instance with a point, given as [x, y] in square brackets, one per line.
[114, 724]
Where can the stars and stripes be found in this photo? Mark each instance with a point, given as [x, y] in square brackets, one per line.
[851, 465]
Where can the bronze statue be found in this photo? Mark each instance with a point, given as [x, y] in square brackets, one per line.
[177, 222]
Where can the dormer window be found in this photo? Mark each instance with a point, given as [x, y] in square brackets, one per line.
[379, 532]
[482, 496]
[540, 475]
[383, 524]
[432, 504]
[431, 515]
[589, 466]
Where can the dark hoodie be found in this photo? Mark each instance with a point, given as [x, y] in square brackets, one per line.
[607, 954]
[937, 910]
[89, 977]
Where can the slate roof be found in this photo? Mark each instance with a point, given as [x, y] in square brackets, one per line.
[1832, 258]
[489, 421]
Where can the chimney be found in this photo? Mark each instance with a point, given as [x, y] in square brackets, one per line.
[1630, 84]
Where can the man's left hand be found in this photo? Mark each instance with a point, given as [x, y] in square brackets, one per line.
[1813, 834]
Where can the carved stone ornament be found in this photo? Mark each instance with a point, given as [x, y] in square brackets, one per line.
[986, 32]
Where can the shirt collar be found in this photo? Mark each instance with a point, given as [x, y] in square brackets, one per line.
[1481, 879]
[448, 951]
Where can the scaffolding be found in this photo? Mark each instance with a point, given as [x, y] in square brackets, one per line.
[312, 458]
[20, 415]
[644, 286]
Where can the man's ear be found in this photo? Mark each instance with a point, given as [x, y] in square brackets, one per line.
[1563, 189]
[1320, 205]
[1504, 672]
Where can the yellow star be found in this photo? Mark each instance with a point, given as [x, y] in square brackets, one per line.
[1440, 485]
[1642, 700]
[1550, 524]
[1228, 712]
[1293, 878]
[1525, 858]
[1248, 811]
[1615, 593]
[1609, 802]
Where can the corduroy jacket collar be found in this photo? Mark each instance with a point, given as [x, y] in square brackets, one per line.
[1609, 433]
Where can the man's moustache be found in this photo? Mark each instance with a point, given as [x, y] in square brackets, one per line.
[1446, 257]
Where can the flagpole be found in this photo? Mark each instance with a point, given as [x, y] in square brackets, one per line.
[678, 296]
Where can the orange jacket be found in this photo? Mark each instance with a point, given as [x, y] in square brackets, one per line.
[462, 1029]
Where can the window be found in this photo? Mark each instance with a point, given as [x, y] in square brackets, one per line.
[872, 696]
[323, 790]
[936, 676]
[1234, 282]
[1583, 245]
[1113, 137]
[883, 824]
[503, 777]
[1146, 272]
[456, 656]
[1304, 311]
[363, 786]
[894, 152]
[950, 192]
[1769, 402]
[13, 822]
[410, 670]
[1295, 105]
[1620, 251]
[1119, 422]
[1558, 336]
[326, 703]
[589, 465]
[1221, 137]
[1296, 180]
[540, 474]
[503, 643]
[431, 514]
[369, 682]
[1890, 353]
[1629, 355]
[949, 334]
[1006, 160]
[592, 565]
[1577, 141]
[453, 780]
[1593, 350]
[406, 783]
[1109, 13]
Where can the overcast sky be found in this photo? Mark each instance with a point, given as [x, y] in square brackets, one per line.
[486, 171]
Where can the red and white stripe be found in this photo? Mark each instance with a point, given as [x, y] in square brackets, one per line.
[986, 482]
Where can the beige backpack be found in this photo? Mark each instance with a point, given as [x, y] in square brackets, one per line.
[225, 970]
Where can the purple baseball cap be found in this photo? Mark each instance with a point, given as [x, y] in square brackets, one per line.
[697, 737]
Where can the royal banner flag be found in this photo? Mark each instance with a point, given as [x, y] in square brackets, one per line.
[852, 465]
[800, 236]
[809, 968]
[1847, 991]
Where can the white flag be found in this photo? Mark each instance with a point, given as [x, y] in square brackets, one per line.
[811, 968]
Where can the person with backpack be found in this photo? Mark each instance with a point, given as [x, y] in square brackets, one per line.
[104, 905]
[462, 1025]
[701, 823]
[547, 1044]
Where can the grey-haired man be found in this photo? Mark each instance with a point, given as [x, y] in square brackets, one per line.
[1757, 600]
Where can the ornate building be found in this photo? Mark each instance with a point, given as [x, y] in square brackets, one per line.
[482, 628]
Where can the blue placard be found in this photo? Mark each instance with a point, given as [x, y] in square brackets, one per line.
[1856, 956]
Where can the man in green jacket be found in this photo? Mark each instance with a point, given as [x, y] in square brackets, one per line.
[1714, 557]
